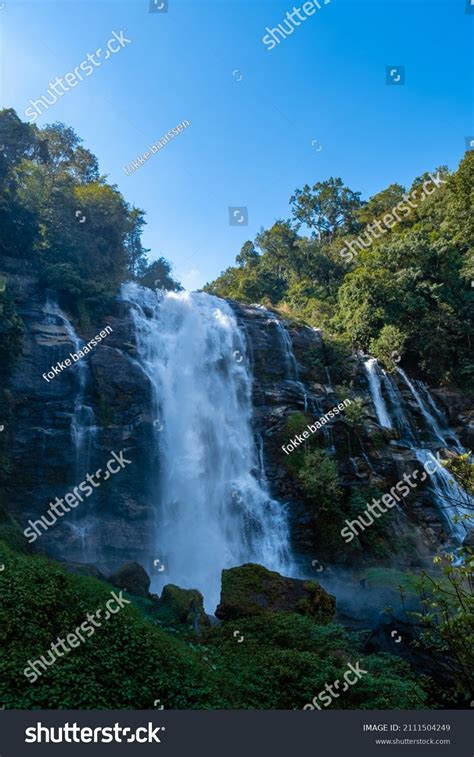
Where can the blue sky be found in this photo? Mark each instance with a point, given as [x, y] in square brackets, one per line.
[257, 116]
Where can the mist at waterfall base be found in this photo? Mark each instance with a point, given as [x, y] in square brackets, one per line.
[213, 509]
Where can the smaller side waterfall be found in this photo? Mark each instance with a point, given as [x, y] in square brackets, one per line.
[291, 366]
[374, 374]
[401, 419]
[431, 422]
[83, 432]
[83, 428]
[447, 432]
[451, 499]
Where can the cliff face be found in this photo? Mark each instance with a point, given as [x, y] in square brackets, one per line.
[110, 403]
[43, 441]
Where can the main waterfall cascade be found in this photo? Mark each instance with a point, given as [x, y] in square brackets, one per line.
[452, 500]
[213, 507]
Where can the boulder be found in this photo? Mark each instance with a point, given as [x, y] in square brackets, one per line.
[186, 606]
[132, 578]
[84, 569]
[252, 589]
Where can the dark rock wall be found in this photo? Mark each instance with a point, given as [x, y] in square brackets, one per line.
[41, 448]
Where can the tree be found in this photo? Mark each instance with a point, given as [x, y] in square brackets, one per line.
[381, 203]
[157, 275]
[328, 207]
[136, 253]
[57, 211]
[66, 155]
[248, 256]
[20, 224]
[443, 624]
[388, 346]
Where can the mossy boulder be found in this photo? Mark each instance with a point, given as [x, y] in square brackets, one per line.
[182, 606]
[133, 578]
[251, 589]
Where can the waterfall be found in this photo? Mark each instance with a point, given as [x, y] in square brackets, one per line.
[374, 374]
[213, 509]
[83, 430]
[430, 420]
[401, 419]
[286, 348]
[448, 434]
[452, 500]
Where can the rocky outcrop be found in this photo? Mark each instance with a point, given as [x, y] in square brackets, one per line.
[182, 606]
[250, 590]
[133, 578]
[42, 438]
[116, 524]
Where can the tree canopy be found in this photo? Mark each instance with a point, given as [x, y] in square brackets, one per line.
[406, 290]
[61, 215]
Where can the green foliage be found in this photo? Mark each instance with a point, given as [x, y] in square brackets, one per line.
[319, 477]
[355, 412]
[462, 468]
[11, 533]
[444, 623]
[286, 660]
[129, 662]
[157, 275]
[60, 214]
[333, 361]
[409, 291]
[388, 346]
[373, 540]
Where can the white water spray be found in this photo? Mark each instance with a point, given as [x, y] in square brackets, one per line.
[375, 382]
[213, 508]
